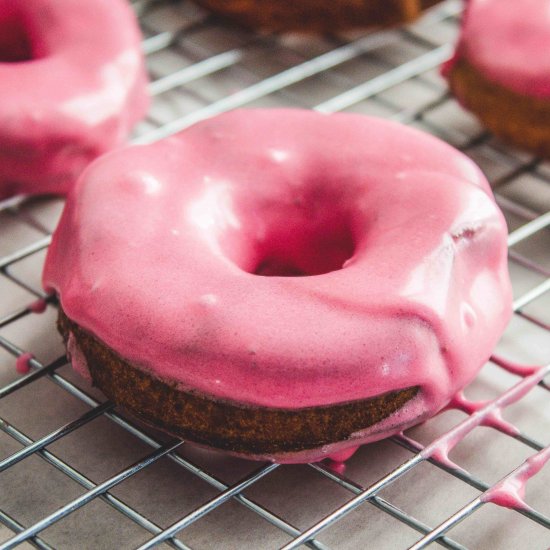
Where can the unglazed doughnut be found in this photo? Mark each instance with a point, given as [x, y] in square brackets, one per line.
[174, 263]
[501, 72]
[72, 85]
[317, 15]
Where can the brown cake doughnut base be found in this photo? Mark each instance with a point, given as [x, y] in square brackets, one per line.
[518, 120]
[230, 426]
[317, 15]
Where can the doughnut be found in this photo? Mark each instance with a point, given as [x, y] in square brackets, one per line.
[282, 284]
[315, 15]
[501, 73]
[72, 85]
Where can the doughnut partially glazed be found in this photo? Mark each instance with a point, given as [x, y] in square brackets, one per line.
[317, 15]
[501, 70]
[282, 284]
[72, 85]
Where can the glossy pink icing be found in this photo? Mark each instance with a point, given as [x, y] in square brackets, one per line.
[22, 363]
[72, 85]
[78, 361]
[510, 491]
[508, 41]
[337, 466]
[38, 306]
[514, 368]
[491, 419]
[484, 414]
[157, 247]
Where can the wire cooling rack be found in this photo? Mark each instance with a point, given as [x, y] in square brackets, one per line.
[76, 472]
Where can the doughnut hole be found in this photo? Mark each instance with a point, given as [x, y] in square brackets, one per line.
[15, 42]
[311, 249]
[285, 241]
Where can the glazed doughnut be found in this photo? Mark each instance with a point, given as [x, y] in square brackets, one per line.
[500, 70]
[282, 284]
[72, 85]
[317, 15]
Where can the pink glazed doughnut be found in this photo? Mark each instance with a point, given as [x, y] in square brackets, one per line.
[72, 85]
[501, 70]
[177, 269]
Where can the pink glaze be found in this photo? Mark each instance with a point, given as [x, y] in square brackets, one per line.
[508, 41]
[337, 467]
[488, 414]
[157, 248]
[492, 419]
[342, 456]
[78, 361]
[22, 365]
[38, 306]
[495, 420]
[510, 491]
[72, 85]
[514, 368]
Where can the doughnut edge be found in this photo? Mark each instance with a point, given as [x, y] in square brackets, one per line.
[237, 428]
[310, 17]
[527, 121]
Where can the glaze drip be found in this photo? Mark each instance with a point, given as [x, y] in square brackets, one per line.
[510, 491]
[22, 363]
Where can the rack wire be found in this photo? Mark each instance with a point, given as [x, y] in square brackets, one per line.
[76, 472]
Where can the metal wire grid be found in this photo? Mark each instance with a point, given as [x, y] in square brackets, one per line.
[321, 59]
